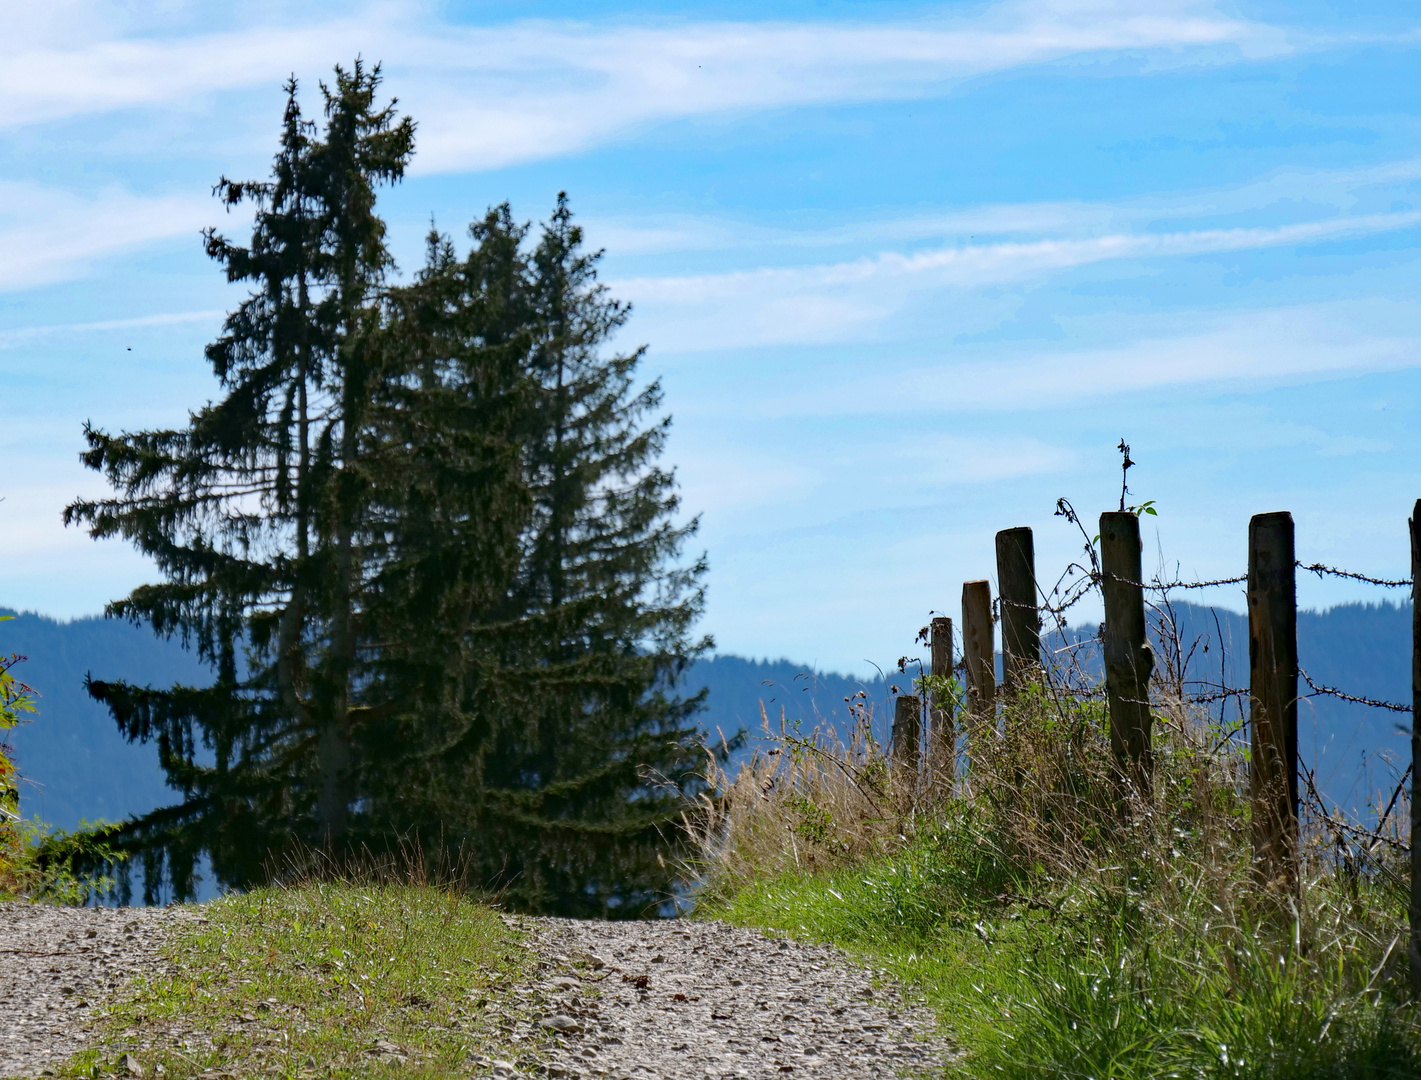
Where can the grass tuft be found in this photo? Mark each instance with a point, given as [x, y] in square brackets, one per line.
[322, 979]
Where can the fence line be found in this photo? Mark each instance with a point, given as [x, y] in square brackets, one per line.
[1129, 665]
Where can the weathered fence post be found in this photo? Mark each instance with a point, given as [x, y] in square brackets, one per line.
[1021, 624]
[907, 730]
[980, 658]
[1273, 695]
[943, 731]
[1128, 657]
[1414, 951]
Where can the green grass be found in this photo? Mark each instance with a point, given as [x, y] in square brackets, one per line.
[1065, 923]
[323, 980]
[1038, 981]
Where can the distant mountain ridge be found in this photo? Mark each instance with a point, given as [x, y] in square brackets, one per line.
[76, 765]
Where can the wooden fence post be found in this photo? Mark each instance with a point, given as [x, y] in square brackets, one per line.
[980, 658]
[1129, 659]
[1414, 951]
[907, 730]
[943, 731]
[1273, 694]
[1021, 623]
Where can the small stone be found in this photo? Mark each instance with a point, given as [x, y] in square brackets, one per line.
[385, 1049]
[129, 1066]
[561, 1022]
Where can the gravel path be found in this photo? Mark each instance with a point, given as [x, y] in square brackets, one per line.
[53, 961]
[704, 999]
[624, 1000]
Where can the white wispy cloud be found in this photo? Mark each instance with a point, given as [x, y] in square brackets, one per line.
[1307, 192]
[832, 301]
[494, 95]
[50, 235]
[24, 334]
[1284, 343]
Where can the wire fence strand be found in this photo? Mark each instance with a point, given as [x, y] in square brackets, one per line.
[1331, 571]
[1332, 691]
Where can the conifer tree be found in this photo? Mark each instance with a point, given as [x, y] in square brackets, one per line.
[425, 540]
[449, 505]
[556, 755]
[586, 794]
[252, 512]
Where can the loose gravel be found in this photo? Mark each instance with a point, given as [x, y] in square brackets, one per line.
[56, 964]
[644, 1001]
[617, 1000]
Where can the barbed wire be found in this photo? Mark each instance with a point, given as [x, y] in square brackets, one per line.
[1340, 826]
[1166, 586]
[1332, 691]
[1388, 583]
[1095, 578]
[1220, 694]
[1224, 693]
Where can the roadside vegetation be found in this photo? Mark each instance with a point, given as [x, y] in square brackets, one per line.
[16, 699]
[325, 978]
[1063, 924]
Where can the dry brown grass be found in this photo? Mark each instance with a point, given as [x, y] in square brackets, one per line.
[1043, 799]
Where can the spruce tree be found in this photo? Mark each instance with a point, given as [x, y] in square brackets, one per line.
[557, 757]
[252, 513]
[586, 795]
[449, 505]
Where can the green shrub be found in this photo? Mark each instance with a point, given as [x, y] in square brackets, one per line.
[16, 699]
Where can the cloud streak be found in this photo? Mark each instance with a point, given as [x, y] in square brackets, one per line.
[1276, 344]
[1343, 191]
[48, 235]
[12, 338]
[825, 302]
[498, 95]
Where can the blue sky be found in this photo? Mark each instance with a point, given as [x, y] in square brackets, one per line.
[908, 272]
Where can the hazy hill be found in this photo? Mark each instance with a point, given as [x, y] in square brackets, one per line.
[78, 767]
[1362, 649]
[74, 762]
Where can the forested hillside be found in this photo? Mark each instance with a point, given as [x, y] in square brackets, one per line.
[74, 763]
[78, 766]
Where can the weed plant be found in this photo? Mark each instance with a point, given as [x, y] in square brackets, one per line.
[38, 862]
[1065, 923]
